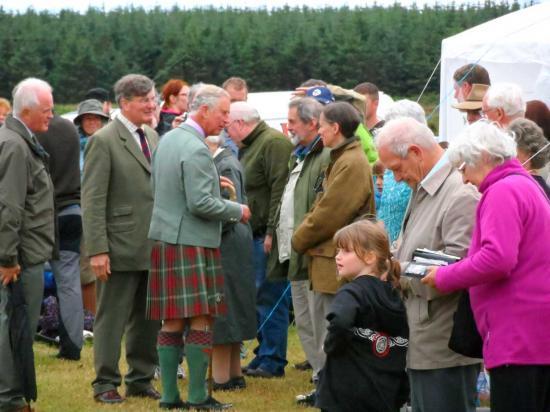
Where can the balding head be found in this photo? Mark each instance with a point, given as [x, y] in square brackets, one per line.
[408, 148]
[33, 104]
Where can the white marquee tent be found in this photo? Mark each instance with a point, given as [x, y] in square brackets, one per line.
[513, 48]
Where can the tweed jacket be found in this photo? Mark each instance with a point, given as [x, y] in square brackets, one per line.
[188, 207]
[116, 197]
[26, 198]
[440, 217]
[345, 195]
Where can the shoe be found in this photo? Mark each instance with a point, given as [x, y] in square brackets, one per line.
[238, 382]
[210, 404]
[232, 384]
[181, 372]
[156, 376]
[26, 408]
[150, 393]
[174, 405]
[111, 396]
[307, 399]
[262, 373]
[303, 366]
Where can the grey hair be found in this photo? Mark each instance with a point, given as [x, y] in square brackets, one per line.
[218, 140]
[508, 97]
[478, 139]
[307, 108]
[401, 133]
[132, 85]
[530, 139]
[193, 92]
[405, 108]
[208, 95]
[244, 111]
[25, 93]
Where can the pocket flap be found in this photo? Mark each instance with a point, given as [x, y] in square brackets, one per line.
[122, 211]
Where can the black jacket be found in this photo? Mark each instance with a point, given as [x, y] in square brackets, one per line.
[366, 349]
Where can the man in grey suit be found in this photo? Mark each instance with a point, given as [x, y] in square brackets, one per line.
[117, 205]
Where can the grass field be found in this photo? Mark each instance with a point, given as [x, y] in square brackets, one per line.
[66, 386]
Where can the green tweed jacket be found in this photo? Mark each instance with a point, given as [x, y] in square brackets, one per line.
[188, 208]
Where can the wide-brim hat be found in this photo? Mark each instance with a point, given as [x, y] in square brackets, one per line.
[474, 98]
[90, 106]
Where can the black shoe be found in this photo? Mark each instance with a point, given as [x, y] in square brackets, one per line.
[210, 404]
[232, 384]
[238, 382]
[307, 399]
[174, 405]
[262, 373]
[303, 366]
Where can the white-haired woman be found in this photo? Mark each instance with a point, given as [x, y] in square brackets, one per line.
[239, 324]
[507, 271]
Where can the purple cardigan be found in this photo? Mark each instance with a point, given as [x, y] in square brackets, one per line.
[507, 269]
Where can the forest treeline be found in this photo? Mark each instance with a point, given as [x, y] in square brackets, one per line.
[396, 47]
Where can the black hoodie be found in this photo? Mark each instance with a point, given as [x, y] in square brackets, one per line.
[366, 349]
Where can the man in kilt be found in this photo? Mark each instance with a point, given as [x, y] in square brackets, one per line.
[186, 282]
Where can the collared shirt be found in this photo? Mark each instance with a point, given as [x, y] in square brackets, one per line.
[191, 122]
[442, 161]
[132, 128]
[302, 151]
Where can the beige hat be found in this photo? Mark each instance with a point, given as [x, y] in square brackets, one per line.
[473, 101]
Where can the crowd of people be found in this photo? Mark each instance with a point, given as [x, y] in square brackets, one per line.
[187, 225]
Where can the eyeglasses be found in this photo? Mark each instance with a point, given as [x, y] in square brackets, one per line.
[462, 167]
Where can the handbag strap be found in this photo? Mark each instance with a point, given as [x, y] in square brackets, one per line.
[533, 180]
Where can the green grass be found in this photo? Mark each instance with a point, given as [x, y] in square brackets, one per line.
[66, 386]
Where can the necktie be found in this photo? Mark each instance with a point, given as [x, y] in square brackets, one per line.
[144, 146]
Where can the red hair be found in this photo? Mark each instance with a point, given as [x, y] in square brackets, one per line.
[171, 88]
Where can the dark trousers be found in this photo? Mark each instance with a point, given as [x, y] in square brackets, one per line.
[524, 388]
[446, 389]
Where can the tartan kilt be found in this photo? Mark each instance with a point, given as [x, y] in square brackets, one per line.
[184, 282]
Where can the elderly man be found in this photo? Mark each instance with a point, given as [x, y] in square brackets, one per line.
[465, 77]
[264, 154]
[307, 163]
[503, 103]
[186, 284]
[26, 222]
[118, 202]
[440, 217]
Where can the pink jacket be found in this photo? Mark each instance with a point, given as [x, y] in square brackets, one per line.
[507, 270]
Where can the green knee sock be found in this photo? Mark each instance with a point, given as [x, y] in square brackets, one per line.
[197, 352]
[169, 356]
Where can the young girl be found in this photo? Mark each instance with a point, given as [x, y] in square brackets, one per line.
[368, 334]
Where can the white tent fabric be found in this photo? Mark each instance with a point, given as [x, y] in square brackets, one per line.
[513, 48]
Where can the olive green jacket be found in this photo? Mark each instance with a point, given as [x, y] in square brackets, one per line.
[311, 176]
[117, 199]
[26, 198]
[264, 158]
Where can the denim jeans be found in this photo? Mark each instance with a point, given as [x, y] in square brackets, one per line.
[271, 352]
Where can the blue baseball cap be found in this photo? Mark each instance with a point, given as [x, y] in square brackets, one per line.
[322, 94]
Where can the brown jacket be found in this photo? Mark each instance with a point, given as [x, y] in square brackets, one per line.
[346, 193]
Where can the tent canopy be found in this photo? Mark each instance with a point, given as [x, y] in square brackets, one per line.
[513, 48]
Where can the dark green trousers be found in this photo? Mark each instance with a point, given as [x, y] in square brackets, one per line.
[121, 305]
